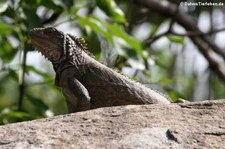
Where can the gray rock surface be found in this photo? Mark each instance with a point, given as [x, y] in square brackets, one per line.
[176, 126]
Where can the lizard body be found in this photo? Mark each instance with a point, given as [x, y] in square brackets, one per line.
[86, 83]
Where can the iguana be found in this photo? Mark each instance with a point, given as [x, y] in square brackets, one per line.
[86, 83]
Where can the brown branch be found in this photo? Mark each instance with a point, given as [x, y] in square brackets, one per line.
[155, 38]
[22, 78]
[197, 33]
[53, 17]
[204, 44]
[189, 33]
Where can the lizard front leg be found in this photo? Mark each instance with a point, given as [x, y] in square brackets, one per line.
[77, 96]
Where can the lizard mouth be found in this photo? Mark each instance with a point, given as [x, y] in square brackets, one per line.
[44, 51]
[44, 44]
[38, 43]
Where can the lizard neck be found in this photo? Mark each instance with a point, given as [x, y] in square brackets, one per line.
[59, 67]
[72, 56]
[62, 67]
[72, 52]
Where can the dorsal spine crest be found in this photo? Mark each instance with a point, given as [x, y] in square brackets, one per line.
[74, 51]
[81, 41]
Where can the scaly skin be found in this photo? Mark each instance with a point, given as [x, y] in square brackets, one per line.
[86, 83]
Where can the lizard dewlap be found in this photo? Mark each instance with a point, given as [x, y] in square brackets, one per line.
[86, 83]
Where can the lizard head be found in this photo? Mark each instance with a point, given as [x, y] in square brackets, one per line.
[48, 41]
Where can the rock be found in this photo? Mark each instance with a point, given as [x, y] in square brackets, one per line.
[186, 125]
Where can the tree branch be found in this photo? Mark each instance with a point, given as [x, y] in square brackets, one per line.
[204, 44]
[197, 33]
[22, 78]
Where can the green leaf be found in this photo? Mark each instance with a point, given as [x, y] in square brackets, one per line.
[176, 39]
[173, 95]
[11, 116]
[95, 25]
[109, 31]
[94, 45]
[83, 3]
[47, 3]
[40, 106]
[116, 30]
[112, 10]
[7, 52]
[154, 29]
[20, 115]
[32, 18]
[165, 80]
[119, 32]
[68, 3]
[3, 5]
[13, 74]
[5, 29]
[46, 76]
[51, 5]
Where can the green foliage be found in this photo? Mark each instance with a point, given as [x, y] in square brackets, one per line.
[112, 10]
[108, 26]
[176, 39]
[11, 115]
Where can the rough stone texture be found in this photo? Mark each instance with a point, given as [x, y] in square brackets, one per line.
[176, 126]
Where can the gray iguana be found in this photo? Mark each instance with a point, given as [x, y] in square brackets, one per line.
[86, 83]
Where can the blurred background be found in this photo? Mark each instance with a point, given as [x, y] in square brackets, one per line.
[144, 39]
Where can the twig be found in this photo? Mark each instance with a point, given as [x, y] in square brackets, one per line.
[197, 33]
[21, 78]
[155, 38]
[38, 83]
[188, 33]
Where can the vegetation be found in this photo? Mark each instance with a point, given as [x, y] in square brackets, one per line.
[140, 41]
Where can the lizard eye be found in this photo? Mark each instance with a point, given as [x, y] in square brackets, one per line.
[49, 31]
